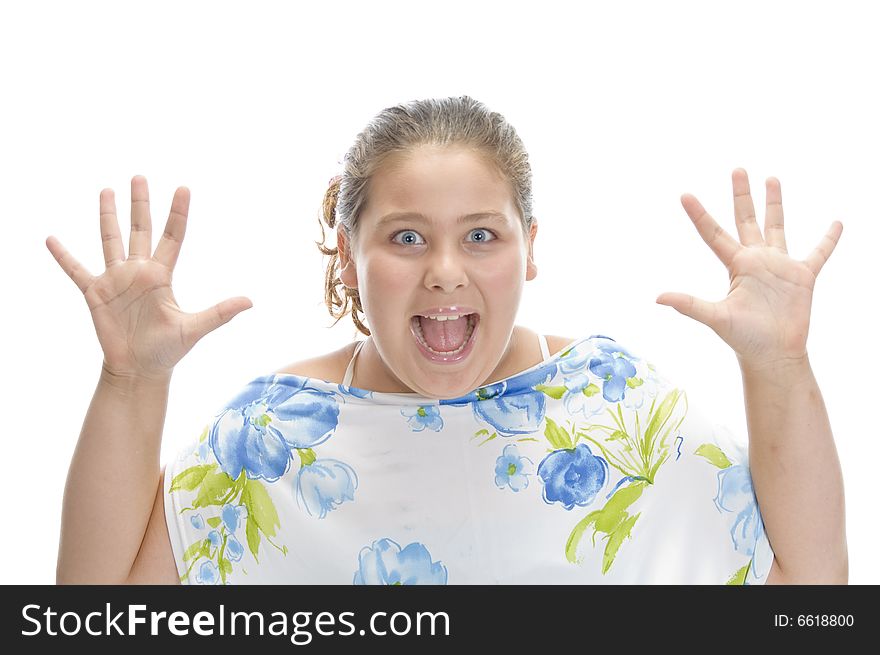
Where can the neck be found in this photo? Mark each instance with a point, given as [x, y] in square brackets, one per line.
[371, 372]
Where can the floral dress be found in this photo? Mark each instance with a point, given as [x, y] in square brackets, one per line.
[588, 468]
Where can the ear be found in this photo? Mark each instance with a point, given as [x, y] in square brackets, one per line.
[347, 269]
[531, 267]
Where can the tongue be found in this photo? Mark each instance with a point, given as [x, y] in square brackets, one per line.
[444, 336]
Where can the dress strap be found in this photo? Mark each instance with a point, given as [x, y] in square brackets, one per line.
[545, 349]
[349, 372]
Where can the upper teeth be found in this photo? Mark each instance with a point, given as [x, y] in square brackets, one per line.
[446, 317]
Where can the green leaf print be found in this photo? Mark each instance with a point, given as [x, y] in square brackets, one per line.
[225, 568]
[196, 549]
[555, 392]
[261, 514]
[215, 489]
[195, 552]
[307, 456]
[253, 537]
[713, 454]
[616, 538]
[557, 436]
[214, 521]
[591, 390]
[739, 578]
[659, 420]
[483, 433]
[612, 519]
[632, 453]
[191, 478]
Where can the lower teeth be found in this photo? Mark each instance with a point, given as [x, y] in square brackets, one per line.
[467, 338]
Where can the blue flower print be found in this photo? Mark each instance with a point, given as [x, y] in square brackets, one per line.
[259, 427]
[423, 416]
[384, 563]
[204, 451]
[215, 538]
[522, 383]
[234, 549]
[208, 573]
[354, 391]
[583, 395]
[514, 414]
[736, 495]
[323, 485]
[583, 392]
[528, 380]
[197, 521]
[240, 442]
[613, 365]
[305, 417]
[511, 469]
[572, 476]
[232, 515]
[644, 386]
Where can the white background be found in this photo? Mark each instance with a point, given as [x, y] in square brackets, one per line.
[622, 106]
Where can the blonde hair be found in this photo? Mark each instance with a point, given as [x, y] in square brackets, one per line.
[453, 121]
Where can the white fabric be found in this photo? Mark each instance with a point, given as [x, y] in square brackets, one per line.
[587, 468]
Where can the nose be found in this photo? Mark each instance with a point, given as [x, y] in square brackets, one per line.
[445, 270]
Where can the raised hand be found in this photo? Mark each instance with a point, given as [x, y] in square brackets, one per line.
[140, 327]
[765, 317]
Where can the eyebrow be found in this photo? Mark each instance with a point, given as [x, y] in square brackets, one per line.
[395, 217]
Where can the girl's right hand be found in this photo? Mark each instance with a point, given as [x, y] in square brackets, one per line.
[142, 331]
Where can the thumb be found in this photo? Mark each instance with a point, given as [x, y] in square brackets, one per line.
[210, 319]
[696, 308]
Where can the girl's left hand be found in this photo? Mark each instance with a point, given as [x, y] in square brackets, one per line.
[766, 314]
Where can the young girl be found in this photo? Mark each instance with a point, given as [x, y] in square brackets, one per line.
[450, 446]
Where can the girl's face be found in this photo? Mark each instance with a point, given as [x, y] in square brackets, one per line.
[403, 266]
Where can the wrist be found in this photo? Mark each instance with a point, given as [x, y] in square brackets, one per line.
[778, 368]
[133, 382]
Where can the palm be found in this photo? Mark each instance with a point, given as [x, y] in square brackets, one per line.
[766, 314]
[139, 325]
[136, 317]
[768, 303]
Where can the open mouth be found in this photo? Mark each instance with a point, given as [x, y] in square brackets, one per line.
[445, 338]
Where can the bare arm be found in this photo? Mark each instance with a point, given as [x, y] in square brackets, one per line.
[111, 532]
[112, 481]
[155, 561]
[796, 473]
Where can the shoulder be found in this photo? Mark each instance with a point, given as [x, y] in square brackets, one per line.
[555, 344]
[329, 367]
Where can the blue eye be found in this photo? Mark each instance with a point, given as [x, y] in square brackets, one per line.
[482, 229]
[411, 243]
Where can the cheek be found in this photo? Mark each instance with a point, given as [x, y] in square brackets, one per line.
[503, 274]
[385, 281]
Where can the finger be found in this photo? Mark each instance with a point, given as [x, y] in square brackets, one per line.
[210, 319]
[140, 241]
[816, 259]
[744, 210]
[111, 239]
[168, 248]
[697, 309]
[75, 271]
[774, 231]
[721, 243]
